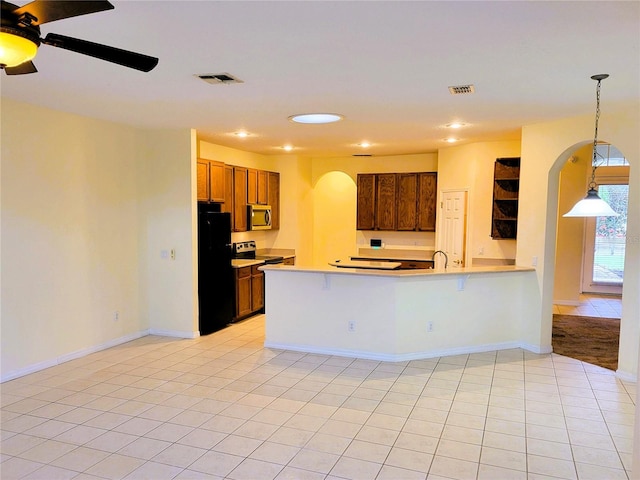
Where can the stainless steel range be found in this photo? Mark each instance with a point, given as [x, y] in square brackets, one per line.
[247, 250]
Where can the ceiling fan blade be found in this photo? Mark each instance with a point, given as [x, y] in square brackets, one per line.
[125, 58]
[52, 10]
[23, 68]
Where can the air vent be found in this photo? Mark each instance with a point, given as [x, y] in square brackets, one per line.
[361, 155]
[462, 89]
[219, 78]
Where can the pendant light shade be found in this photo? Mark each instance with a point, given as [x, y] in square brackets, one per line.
[592, 205]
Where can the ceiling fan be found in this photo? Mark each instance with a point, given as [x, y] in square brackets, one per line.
[20, 35]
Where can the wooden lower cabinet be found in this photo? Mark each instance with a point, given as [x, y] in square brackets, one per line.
[249, 291]
[243, 292]
[289, 261]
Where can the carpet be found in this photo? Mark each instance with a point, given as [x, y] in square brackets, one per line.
[592, 340]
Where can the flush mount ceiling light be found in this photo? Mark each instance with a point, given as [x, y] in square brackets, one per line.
[316, 118]
[592, 205]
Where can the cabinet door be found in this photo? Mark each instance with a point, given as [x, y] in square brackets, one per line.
[289, 261]
[407, 201]
[257, 289]
[365, 216]
[263, 187]
[216, 182]
[203, 180]
[386, 201]
[243, 291]
[273, 196]
[427, 201]
[252, 186]
[239, 199]
[227, 206]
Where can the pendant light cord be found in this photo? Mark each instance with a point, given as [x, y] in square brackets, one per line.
[592, 183]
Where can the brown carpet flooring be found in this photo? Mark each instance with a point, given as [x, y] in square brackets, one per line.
[592, 340]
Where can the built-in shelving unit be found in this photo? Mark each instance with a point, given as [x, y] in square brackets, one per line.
[506, 185]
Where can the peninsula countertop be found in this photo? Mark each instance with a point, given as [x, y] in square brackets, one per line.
[399, 273]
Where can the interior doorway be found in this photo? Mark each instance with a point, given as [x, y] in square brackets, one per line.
[453, 223]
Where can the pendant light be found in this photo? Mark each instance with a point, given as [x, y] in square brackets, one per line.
[592, 205]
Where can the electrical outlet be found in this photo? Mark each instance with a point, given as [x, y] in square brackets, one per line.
[173, 254]
[429, 326]
[116, 316]
[351, 326]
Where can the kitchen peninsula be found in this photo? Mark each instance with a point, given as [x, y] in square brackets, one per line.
[400, 315]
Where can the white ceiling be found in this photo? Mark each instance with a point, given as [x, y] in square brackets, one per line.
[385, 66]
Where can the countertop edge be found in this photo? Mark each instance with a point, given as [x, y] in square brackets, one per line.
[400, 273]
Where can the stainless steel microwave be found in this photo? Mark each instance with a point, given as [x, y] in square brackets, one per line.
[259, 217]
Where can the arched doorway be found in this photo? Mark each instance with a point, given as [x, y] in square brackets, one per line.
[589, 260]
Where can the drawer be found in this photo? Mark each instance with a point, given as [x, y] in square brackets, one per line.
[243, 272]
[255, 271]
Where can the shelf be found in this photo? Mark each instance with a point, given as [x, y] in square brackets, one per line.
[506, 186]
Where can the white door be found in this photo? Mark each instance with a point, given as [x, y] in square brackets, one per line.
[453, 227]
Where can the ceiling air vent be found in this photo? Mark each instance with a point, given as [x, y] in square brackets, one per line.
[462, 89]
[219, 78]
[361, 155]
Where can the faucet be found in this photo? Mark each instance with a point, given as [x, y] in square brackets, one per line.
[446, 259]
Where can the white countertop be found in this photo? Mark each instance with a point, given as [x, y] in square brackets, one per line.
[400, 273]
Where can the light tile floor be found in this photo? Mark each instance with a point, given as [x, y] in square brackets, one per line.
[224, 407]
[592, 305]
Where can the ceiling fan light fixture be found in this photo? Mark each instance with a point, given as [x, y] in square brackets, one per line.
[316, 118]
[15, 49]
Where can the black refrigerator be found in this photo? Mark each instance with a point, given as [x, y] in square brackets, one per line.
[215, 275]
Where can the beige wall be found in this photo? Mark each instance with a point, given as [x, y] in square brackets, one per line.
[545, 150]
[570, 233]
[70, 222]
[470, 167]
[334, 212]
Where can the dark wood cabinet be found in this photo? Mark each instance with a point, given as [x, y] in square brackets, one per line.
[396, 201]
[240, 199]
[273, 198]
[386, 201]
[427, 201]
[506, 186]
[407, 202]
[366, 201]
[289, 261]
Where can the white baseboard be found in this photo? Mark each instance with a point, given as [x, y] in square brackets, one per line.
[403, 357]
[36, 367]
[626, 376]
[173, 333]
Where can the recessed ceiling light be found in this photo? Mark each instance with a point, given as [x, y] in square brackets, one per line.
[316, 118]
[455, 125]
[451, 140]
[364, 144]
[287, 148]
[241, 134]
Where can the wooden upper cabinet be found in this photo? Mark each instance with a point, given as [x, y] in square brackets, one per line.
[210, 181]
[227, 206]
[397, 201]
[239, 199]
[407, 201]
[203, 180]
[366, 183]
[263, 187]
[386, 191]
[216, 182]
[273, 198]
[427, 201]
[252, 186]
